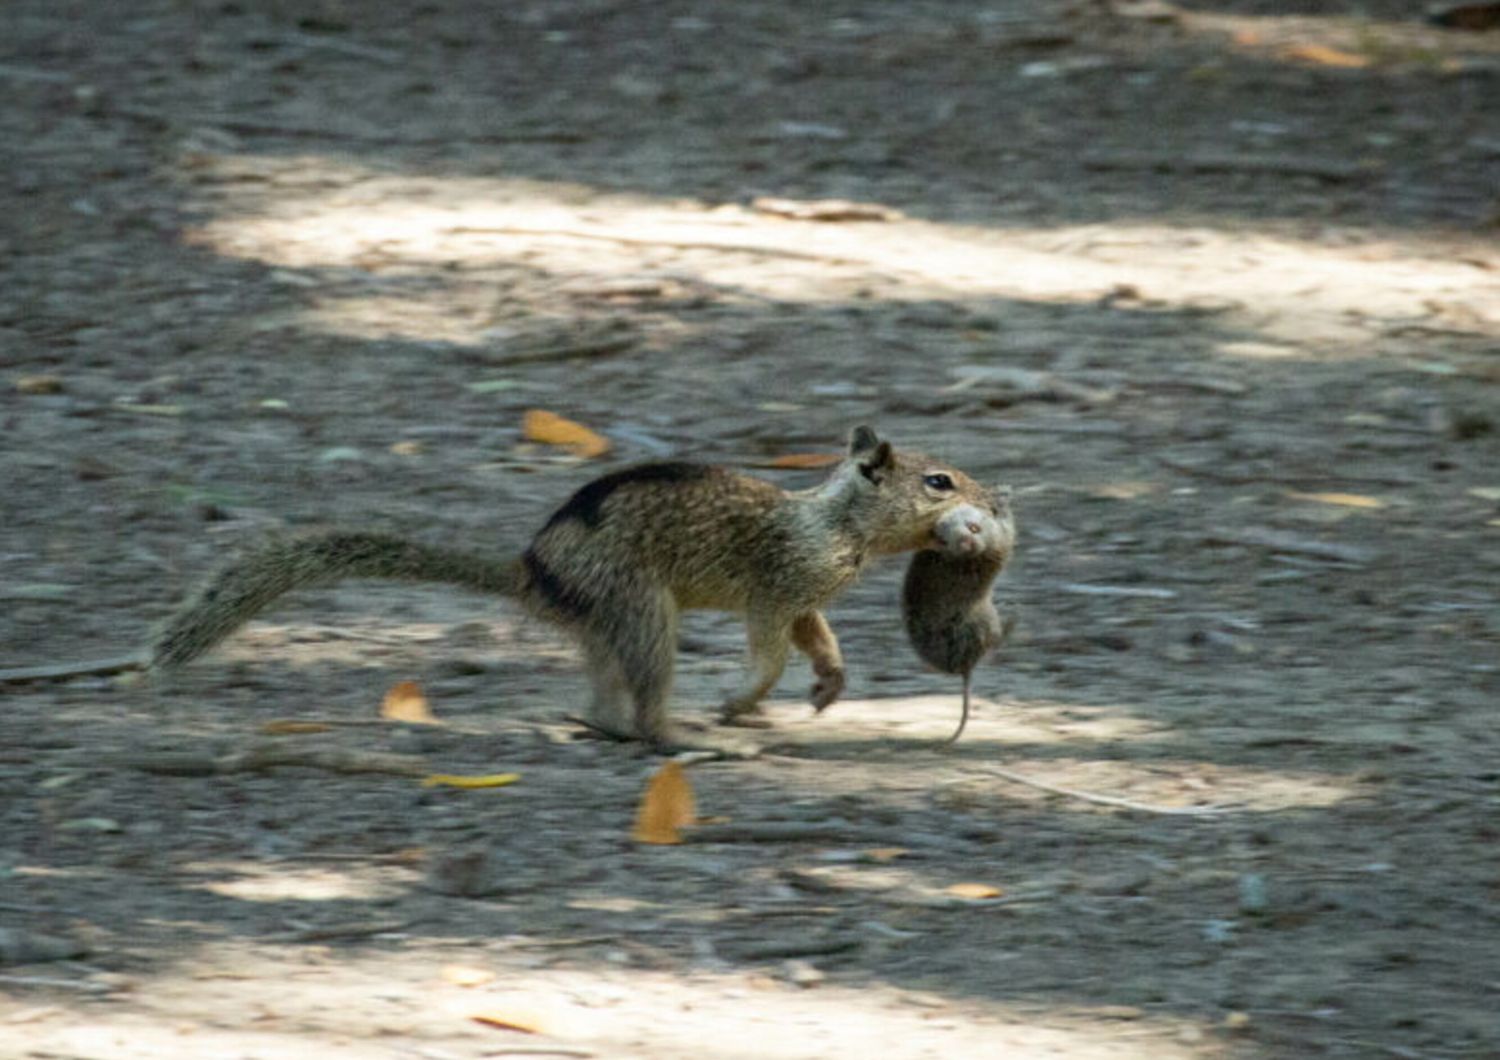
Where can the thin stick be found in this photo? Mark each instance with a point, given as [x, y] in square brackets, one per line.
[1105, 800]
[62, 671]
[1334, 172]
[48, 982]
[252, 127]
[671, 244]
[602, 347]
[259, 759]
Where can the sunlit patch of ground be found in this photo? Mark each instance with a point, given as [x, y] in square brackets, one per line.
[310, 1002]
[1318, 296]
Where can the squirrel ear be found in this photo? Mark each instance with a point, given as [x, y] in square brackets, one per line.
[875, 465]
[861, 440]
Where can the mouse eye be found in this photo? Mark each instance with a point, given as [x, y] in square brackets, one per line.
[938, 481]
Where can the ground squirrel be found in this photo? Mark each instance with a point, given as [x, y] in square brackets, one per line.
[945, 601]
[622, 557]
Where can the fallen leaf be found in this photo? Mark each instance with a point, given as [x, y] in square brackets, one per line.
[1322, 55]
[287, 727]
[39, 384]
[805, 460]
[465, 975]
[407, 448]
[974, 891]
[539, 425]
[884, 854]
[1344, 500]
[405, 702]
[665, 807]
[528, 1021]
[488, 780]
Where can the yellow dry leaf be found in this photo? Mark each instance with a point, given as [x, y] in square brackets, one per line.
[1323, 55]
[974, 890]
[287, 727]
[407, 448]
[539, 425]
[884, 854]
[804, 460]
[489, 780]
[526, 1020]
[665, 807]
[39, 384]
[405, 702]
[1344, 500]
[465, 975]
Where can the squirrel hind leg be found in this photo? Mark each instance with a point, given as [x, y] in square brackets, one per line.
[631, 656]
[608, 709]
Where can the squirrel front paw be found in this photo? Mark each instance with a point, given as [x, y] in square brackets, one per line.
[827, 688]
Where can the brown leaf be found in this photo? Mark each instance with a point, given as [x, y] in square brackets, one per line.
[1322, 55]
[974, 890]
[665, 807]
[539, 425]
[405, 702]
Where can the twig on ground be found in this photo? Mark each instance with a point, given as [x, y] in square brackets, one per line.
[1236, 478]
[1332, 172]
[341, 931]
[1280, 541]
[600, 347]
[258, 759]
[779, 949]
[670, 244]
[1104, 800]
[252, 127]
[47, 982]
[810, 832]
[62, 671]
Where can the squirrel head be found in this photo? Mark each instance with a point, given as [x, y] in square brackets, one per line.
[902, 497]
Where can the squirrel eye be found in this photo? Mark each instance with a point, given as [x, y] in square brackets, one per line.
[938, 482]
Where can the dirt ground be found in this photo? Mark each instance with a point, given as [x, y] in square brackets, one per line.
[1214, 289]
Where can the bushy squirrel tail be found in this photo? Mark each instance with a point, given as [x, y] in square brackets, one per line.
[252, 583]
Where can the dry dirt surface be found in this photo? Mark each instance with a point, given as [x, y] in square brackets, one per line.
[1214, 288]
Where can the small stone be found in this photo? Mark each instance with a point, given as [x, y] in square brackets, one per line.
[802, 973]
